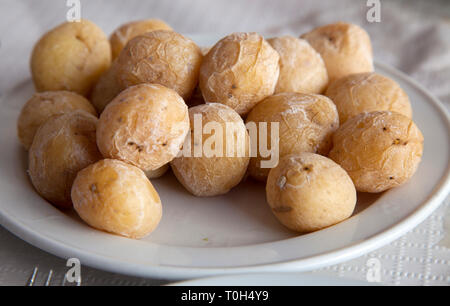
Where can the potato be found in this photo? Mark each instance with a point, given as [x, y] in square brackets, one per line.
[302, 69]
[308, 192]
[215, 170]
[345, 48]
[154, 174]
[379, 150]
[106, 89]
[71, 57]
[44, 105]
[62, 146]
[306, 124]
[145, 125]
[120, 37]
[161, 57]
[239, 71]
[117, 197]
[367, 92]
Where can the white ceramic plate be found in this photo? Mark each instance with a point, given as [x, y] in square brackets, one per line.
[236, 233]
[273, 279]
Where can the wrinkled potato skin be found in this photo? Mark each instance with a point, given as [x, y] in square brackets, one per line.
[345, 48]
[302, 69]
[145, 125]
[161, 57]
[120, 37]
[307, 123]
[367, 92]
[70, 57]
[379, 150]
[106, 89]
[117, 197]
[239, 71]
[211, 176]
[62, 146]
[44, 105]
[308, 192]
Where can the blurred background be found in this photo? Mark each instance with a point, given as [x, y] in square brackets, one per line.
[412, 35]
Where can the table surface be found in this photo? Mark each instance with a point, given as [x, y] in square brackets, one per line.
[412, 36]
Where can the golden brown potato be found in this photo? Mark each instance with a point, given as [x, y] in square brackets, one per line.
[161, 57]
[367, 92]
[214, 170]
[345, 48]
[306, 124]
[239, 71]
[379, 150]
[44, 105]
[302, 69]
[308, 192]
[62, 146]
[117, 197]
[106, 89]
[154, 174]
[120, 37]
[145, 125]
[70, 57]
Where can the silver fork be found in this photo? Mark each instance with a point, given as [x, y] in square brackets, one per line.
[32, 279]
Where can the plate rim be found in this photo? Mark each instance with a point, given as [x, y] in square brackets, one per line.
[348, 252]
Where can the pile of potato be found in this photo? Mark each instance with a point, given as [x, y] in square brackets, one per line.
[110, 114]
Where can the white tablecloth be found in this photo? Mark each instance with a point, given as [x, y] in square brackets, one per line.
[412, 36]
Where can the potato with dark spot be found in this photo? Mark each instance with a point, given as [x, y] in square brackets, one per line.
[44, 105]
[379, 150]
[162, 57]
[145, 125]
[62, 146]
[306, 124]
[308, 192]
[302, 69]
[239, 71]
[223, 151]
[345, 48]
[117, 197]
[71, 57]
[120, 37]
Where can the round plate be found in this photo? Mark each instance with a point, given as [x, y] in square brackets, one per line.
[235, 233]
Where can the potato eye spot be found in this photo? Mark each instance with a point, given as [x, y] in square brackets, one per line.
[93, 188]
[396, 141]
[391, 177]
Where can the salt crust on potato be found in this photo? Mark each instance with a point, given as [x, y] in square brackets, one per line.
[70, 57]
[145, 125]
[345, 48]
[308, 192]
[379, 150]
[367, 92]
[239, 71]
[214, 175]
[62, 146]
[306, 124]
[117, 197]
[44, 105]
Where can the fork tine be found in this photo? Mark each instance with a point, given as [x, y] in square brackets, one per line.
[49, 278]
[32, 277]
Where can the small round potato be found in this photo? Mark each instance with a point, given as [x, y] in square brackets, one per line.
[154, 174]
[367, 92]
[44, 105]
[145, 125]
[239, 71]
[302, 69]
[70, 57]
[120, 37]
[117, 197]
[62, 146]
[306, 124]
[308, 192]
[106, 89]
[224, 153]
[345, 48]
[161, 57]
[379, 150]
